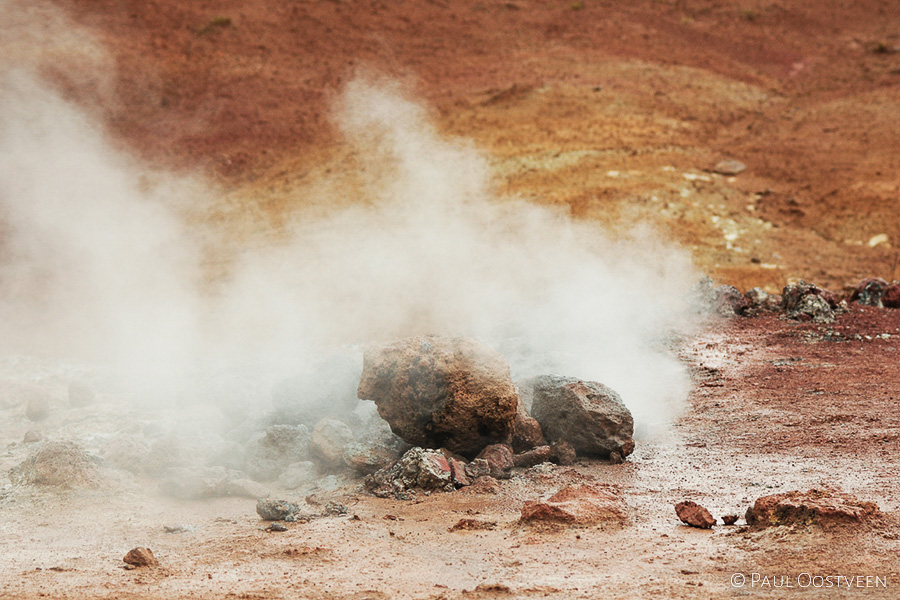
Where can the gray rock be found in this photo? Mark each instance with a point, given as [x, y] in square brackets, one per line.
[870, 292]
[762, 301]
[588, 415]
[729, 301]
[365, 459]
[436, 392]
[32, 436]
[806, 301]
[479, 467]
[282, 445]
[276, 510]
[328, 441]
[419, 468]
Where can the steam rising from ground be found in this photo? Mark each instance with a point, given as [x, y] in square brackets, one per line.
[97, 263]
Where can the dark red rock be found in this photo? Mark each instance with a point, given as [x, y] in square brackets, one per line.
[538, 455]
[694, 515]
[436, 392]
[891, 297]
[813, 507]
[730, 519]
[499, 458]
[141, 557]
[458, 473]
[563, 453]
[870, 291]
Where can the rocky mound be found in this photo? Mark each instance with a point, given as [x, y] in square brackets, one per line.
[580, 505]
[57, 464]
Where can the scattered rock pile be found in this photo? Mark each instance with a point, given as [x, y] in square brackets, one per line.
[800, 301]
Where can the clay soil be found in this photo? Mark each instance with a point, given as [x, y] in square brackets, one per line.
[617, 111]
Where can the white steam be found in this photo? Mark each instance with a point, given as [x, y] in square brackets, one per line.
[97, 263]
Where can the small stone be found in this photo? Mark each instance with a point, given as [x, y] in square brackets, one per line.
[870, 292]
[728, 301]
[538, 455]
[499, 458]
[336, 509]
[484, 484]
[563, 453]
[141, 557]
[80, 394]
[694, 515]
[276, 510]
[458, 473]
[473, 525]
[276, 527]
[730, 519]
[891, 297]
[478, 468]
[729, 167]
[32, 436]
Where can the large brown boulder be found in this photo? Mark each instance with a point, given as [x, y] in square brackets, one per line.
[588, 415]
[439, 392]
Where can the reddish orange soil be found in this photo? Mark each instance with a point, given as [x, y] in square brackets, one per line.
[806, 94]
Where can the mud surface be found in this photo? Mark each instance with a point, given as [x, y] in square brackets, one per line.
[778, 406]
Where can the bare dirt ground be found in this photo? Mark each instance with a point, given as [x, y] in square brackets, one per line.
[617, 111]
